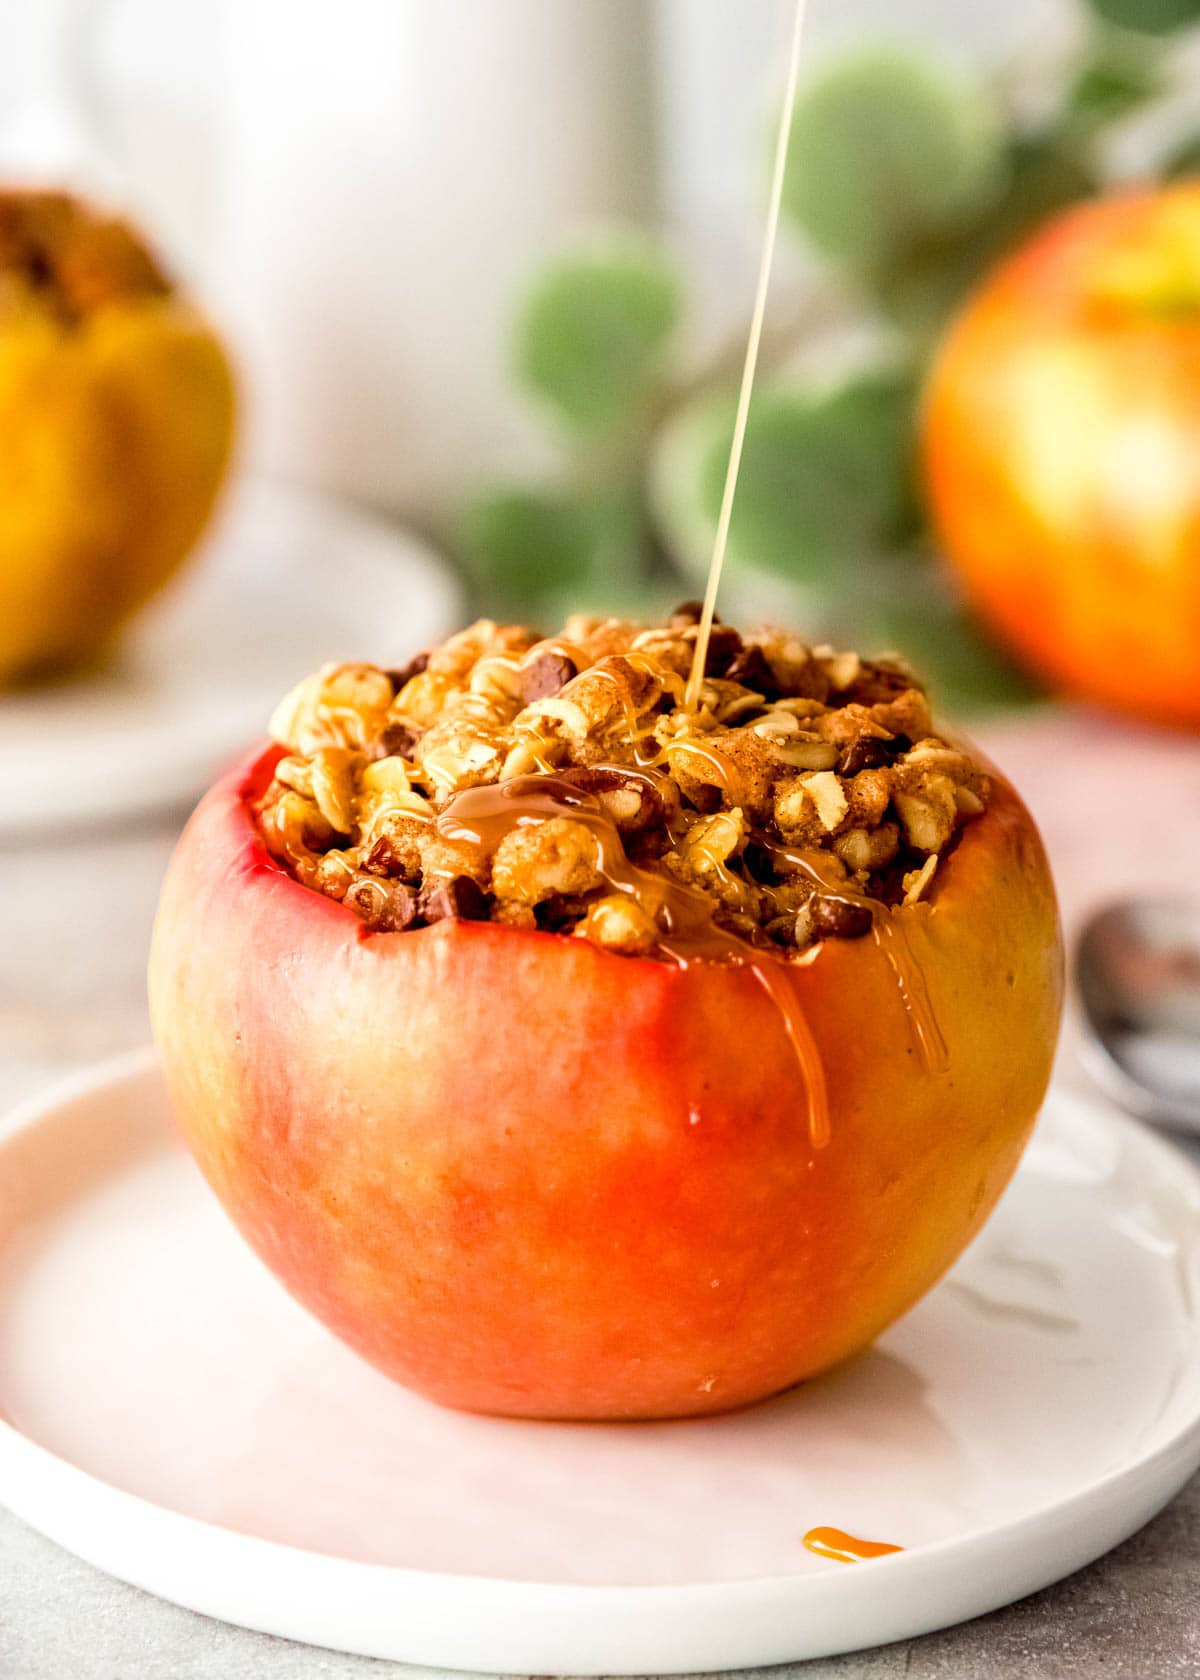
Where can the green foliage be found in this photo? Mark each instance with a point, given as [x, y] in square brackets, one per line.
[592, 336]
[913, 180]
[888, 148]
[1149, 17]
[1183, 160]
[522, 545]
[928, 281]
[1116, 76]
[825, 476]
[918, 614]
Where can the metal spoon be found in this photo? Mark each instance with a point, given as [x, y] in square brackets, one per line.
[1137, 974]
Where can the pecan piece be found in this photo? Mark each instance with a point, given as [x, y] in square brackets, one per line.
[401, 674]
[546, 676]
[839, 918]
[456, 897]
[393, 856]
[385, 906]
[631, 802]
[865, 752]
[399, 740]
[724, 645]
[880, 682]
[749, 667]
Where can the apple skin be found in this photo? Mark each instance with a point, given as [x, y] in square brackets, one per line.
[117, 440]
[524, 1175]
[1061, 443]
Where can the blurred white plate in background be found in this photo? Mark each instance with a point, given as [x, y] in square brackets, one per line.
[285, 581]
[168, 1413]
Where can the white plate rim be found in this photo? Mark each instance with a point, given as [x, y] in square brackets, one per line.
[485, 1624]
[163, 770]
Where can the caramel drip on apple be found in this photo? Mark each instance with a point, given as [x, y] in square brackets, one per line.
[779, 170]
[835, 1543]
[892, 941]
[889, 936]
[482, 816]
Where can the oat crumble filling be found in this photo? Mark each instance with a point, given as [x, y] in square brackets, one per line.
[561, 784]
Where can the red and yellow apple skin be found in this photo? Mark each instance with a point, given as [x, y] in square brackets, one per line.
[1062, 452]
[524, 1175]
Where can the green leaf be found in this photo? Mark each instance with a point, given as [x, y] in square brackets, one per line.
[826, 476]
[523, 547]
[918, 613]
[1148, 17]
[594, 331]
[1118, 75]
[1183, 161]
[928, 281]
[886, 148]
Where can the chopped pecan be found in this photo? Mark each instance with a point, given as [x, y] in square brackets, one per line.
[386, 906]
[724, 645]
[631, 800]
[750, 668]
[395, 854]
[546, 675]
[839, 918]
[399, 740]
[401, 674]
[864, 752]
[456, 898]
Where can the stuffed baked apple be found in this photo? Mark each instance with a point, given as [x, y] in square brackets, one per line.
[116, 415]
[574, 1052]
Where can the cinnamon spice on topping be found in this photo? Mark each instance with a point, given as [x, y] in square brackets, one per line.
[803, 798]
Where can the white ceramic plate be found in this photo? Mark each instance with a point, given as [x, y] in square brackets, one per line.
[174, 1418]
[286, 581]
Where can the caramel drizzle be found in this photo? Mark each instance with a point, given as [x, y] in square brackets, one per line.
[483, 816]
[611, 673]
[892, 942]
[512, 664]
[835, 1543]
[729, 780]
[779, 170]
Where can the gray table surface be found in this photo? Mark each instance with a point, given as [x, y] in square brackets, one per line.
[74, 924]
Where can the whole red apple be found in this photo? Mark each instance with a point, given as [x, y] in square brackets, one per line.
[1062, 451]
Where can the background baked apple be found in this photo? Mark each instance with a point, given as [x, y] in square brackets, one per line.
[116, 414]
[1062, 451]
[524, 1173]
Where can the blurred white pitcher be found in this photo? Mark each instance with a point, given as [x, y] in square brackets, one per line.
[389, 169]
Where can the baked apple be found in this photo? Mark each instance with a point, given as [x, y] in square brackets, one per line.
[574, 1053]
[1062, 451]
[116, 415]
